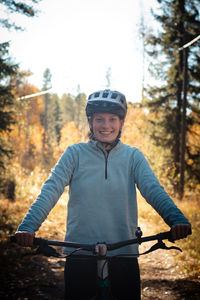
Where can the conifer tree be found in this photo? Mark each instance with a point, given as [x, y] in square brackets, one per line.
[48, 122]
[23, 8]
[8, 69]
[180, 21]
[80, 103]
[57, 116]
[67, 104]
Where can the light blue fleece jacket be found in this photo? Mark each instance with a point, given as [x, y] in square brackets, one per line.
[102, 204]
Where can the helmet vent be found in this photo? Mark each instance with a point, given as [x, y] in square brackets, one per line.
[122, 99]
[105, 95]
[96, 95]
[114, 96]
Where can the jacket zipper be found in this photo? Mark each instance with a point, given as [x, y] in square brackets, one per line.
[106, 162]
[106, 166]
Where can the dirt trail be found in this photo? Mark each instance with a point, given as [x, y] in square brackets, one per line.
[26, 277]
[161, 278]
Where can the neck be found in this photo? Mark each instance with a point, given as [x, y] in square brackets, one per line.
[109, 146]
[106, 146]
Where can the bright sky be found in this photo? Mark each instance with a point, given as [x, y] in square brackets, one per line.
[78, 40]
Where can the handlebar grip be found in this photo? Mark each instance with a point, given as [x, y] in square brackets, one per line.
[36, 241]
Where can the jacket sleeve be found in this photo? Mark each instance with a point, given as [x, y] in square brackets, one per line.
[154, 193]
[50, 193]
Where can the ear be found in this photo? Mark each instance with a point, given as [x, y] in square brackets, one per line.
[90, 123]
[122, 123]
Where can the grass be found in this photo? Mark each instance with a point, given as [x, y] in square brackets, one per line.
[28, 186]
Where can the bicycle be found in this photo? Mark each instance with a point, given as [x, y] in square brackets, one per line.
[99, 250]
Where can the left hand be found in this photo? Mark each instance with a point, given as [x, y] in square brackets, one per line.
[180, 231]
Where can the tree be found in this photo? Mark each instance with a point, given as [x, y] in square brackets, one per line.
[80, 104]
[7, 71]
[142, 35]
[180, 22]
[58, 117]
[108, 77]
[48, 122]
[22, 8]
[67, 105]
[69, 134]
[27, 132]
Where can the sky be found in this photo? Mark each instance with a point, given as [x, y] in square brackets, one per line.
[79, 41]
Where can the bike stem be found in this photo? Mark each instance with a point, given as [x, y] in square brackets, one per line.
[102, 264]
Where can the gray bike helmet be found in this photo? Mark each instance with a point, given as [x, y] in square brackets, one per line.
[106, 101]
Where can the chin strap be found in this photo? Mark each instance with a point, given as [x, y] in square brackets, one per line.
[160, 245]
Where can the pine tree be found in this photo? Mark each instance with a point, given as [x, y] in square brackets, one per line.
[67, 105]
[48, 122]
[180, 22]
[19, 7]
[57, 116]
[80, 104]
[7, 71]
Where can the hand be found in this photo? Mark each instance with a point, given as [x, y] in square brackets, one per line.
[24, 238]
[180, 231]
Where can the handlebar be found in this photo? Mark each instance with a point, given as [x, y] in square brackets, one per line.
[45, 249]
[110, 246]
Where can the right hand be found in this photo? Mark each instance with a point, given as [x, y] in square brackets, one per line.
[24, 238]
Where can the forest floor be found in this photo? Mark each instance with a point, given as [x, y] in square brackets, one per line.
[26, 277]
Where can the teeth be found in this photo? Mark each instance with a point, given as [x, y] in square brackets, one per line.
[105, 132]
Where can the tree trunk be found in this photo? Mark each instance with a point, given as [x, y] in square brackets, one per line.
[183, 123]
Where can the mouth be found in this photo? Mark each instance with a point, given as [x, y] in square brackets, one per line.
[106, 133]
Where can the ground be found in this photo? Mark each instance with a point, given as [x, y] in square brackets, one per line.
[36, 277]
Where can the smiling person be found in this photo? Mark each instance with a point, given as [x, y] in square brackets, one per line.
[102, 175]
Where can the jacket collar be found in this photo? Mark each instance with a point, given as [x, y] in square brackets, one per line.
[98, 144]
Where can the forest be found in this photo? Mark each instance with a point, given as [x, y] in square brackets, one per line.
[165, 125]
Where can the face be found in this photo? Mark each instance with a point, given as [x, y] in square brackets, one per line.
[106, 127]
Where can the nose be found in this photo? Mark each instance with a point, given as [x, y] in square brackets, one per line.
[105, 123]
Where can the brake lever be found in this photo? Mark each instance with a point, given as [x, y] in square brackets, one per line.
[160, 245]
[47, 251]
[163, 246]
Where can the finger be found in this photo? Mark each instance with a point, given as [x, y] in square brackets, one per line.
[185, 230]
[180, 231]
[28, 239]
[18, 238]
[173, 233]
[24, 239]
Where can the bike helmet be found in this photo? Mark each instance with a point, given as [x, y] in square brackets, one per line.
[106, 101]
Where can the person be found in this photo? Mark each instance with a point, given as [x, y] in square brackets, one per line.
[102, 174]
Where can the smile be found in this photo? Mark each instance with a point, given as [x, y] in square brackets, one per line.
[106, 132]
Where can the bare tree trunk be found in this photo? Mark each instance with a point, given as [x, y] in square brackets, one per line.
[183, 123]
